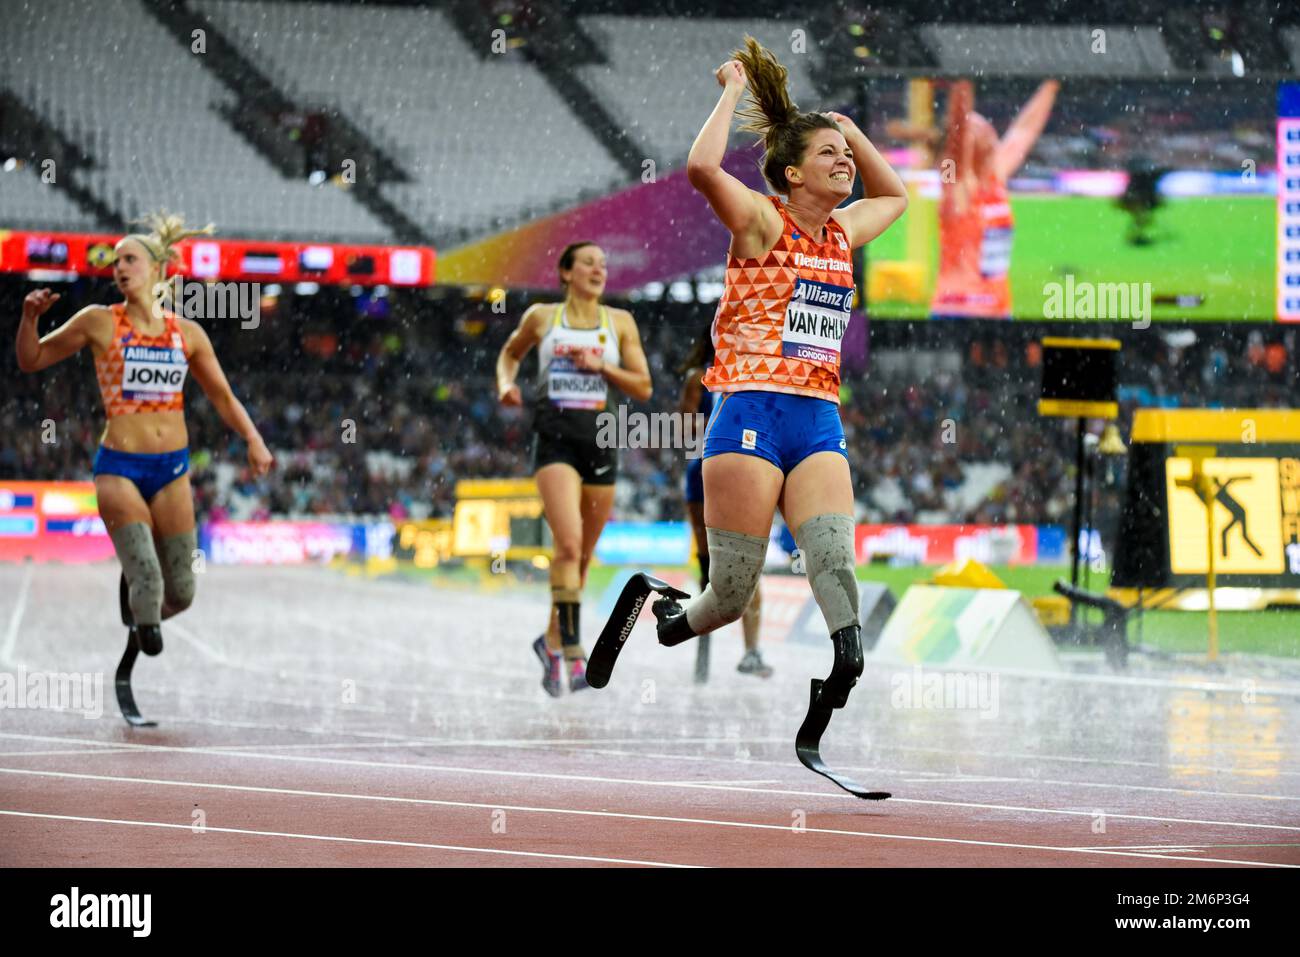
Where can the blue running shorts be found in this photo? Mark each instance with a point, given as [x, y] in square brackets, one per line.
[149, 471]
[784, 429]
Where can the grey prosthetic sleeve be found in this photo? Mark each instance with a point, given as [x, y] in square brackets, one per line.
[177, 557]
[827, 545]
[735, 562]
[135, 550]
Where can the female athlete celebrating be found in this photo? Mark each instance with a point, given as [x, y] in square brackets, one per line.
[583, 348]
[142, 355]
[775, 439]
[975, 222]
[697, 400]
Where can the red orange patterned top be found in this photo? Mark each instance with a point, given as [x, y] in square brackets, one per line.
[782, 315]
[975, 255]
[142, 373]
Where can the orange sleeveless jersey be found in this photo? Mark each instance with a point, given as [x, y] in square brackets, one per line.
[782, 315]
[975, 255]
[142, 373]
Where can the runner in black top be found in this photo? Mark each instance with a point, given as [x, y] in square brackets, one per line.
[583, 348]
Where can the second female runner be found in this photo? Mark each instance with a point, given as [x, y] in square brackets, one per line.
[583, 349]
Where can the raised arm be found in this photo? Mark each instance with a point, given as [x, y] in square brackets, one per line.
[526, 335]
[958, 144]
[742, 210]
[35, 353]
[958, 134]
[885, 194]
[1025, 129]
[210, 377]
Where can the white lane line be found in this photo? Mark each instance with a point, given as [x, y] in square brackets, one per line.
[396, 766]
[971, 753]
[736, 781]
[917, 775]
[566, 745]
[965, 753]
[1043, 782]
[205, 649]
[962, 780]
[1186, 847]
[1283, 689]
[525, 744]
[395, 740]
[16, 618]
[341, 840]
[1023, 756]
[753, 825]
[1191, 792]
[79, 751]
[1181, 849]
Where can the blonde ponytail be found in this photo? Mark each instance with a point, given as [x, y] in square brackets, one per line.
[166, 231]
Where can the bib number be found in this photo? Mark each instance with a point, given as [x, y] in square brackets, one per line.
[571, 387]
[815, 321]
[153, 374]
[995, 252]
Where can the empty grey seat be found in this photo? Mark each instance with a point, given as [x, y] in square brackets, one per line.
[108, 76]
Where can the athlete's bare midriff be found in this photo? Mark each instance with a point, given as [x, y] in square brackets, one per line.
[146, 432]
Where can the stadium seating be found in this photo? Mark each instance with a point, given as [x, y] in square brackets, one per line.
[112, 68]
[1047, 50]
[29, 203]
[479, 158]
[659, 82]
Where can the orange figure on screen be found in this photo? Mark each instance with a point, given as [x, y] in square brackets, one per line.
[975, 221]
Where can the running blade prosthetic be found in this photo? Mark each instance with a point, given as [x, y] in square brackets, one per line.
[827, 695]
[122, 683]
[614, 635]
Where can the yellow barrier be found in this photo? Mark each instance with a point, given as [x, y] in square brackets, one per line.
[967, 573]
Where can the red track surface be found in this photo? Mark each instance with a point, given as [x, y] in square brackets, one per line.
[307, 718]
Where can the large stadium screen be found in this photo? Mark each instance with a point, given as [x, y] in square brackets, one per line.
[1123, 200]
